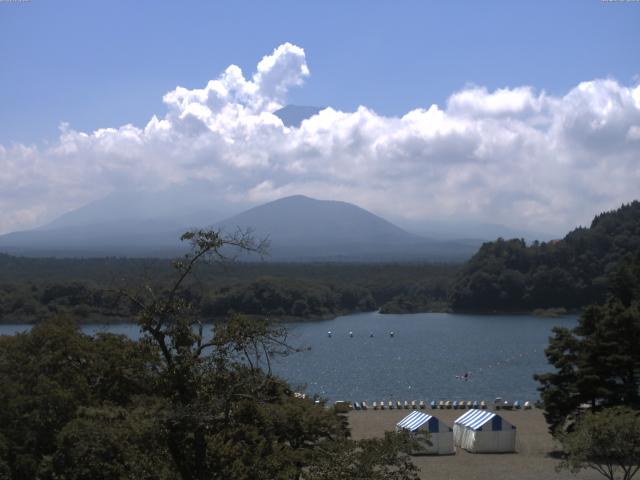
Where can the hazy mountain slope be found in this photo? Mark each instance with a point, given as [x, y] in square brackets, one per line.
[143, 238]
[293, 115]
[300, 228]
[469, 229]
[303, 228]
[296, 219]
[129, 223]
[177, 206]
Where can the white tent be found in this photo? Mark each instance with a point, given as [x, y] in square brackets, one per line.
[481, 431]
[439, 435]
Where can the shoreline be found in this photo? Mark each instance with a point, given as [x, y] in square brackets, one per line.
[116, 320]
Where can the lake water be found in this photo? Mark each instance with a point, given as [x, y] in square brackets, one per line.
[425, 359]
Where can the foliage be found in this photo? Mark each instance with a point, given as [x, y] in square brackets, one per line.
[32, 289]
[508, 275]
[607, 441]
[187, 401]
[373, 459]
[46, 375]
[598, 362]
[110, 442]
[429, 295]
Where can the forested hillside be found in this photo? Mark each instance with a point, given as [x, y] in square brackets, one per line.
[88, 290]
[508, 275]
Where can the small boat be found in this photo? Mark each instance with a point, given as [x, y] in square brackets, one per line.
[527, 405]
[433, 404]
[447, 404]
[390, 405]
[375, 405]
[398, 405]
[364, 405]
[413, 404]
[483, 404]
[517, 405]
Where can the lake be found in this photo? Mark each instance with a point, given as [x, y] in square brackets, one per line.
[425, 359]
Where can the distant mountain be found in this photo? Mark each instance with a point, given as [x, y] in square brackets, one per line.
[302, 228]
[471, 230]
[177, 206]
[125, 223]
[293, 115]
[299, 228]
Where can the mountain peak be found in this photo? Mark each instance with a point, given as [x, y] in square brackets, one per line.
[299, 228]
[294, 115]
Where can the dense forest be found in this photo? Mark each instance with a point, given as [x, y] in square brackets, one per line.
[89, 290]
[508, 275]
[503, 276]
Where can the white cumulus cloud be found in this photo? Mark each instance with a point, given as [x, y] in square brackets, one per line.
[514, 155]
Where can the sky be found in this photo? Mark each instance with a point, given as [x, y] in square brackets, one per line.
[521, 113]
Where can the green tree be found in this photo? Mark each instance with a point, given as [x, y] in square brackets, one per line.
[598, 362]
[607, 441]
[221, 417]
[47, 374]
[371, 459]
[110, 442]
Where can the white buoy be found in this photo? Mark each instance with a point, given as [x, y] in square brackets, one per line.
[351, 334]
[391, 334]
[329, 334]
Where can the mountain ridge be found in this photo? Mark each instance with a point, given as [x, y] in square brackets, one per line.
[300, 229]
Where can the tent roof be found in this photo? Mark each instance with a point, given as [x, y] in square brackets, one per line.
[414, 420]
[475, 419]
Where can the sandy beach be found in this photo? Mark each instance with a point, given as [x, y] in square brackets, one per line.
[531, 461]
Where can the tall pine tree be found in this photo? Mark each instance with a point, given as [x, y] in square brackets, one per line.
[598, 362]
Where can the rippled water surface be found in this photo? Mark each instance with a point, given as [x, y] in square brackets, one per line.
[425, 359]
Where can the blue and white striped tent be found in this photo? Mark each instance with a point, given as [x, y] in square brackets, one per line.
[484, 431]
[440, 438]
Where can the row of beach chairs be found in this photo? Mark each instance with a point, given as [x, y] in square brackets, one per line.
[442, 404]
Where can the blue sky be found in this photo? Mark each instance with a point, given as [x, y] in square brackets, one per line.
[96, 64]
[536, 122]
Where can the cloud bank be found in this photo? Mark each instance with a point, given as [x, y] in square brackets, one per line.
[513, 155]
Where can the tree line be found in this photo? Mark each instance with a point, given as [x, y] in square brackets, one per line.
[34, 289]
[509, 275]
